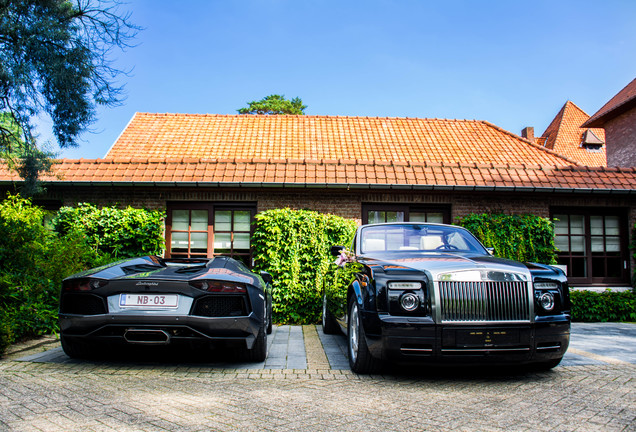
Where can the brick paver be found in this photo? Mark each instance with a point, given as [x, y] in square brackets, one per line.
[160, 396]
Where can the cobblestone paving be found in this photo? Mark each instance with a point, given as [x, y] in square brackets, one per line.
[161, 396]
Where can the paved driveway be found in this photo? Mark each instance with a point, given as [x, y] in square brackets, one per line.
[305, 384]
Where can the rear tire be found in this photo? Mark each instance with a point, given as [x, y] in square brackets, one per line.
[329, 324]
[360, 359]
[269, 319]
[258, 353]
[77, 349]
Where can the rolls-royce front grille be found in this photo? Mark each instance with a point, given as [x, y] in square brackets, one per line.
[220, 306]
[484, 301]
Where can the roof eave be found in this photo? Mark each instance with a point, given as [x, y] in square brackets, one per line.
[347, 186]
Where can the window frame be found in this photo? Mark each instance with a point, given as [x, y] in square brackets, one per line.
[623, 235]
[445, 210]
[211, 207]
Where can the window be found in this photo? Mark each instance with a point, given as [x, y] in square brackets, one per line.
[592, 245]
[380, 213]
[207, 229]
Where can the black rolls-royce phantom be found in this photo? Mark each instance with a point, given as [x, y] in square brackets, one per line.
[434, 293]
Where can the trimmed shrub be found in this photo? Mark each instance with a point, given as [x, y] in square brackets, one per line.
[525, 238]
[590, 306]
[294, 247]
[121, 233]
[33, 262]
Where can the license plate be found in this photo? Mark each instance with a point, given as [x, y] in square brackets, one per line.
[480, 338]
[150, 301]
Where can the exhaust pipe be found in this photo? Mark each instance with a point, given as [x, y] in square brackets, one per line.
[147, 336]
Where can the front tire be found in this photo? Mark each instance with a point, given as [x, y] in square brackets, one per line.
[547, 365]
[360, 359]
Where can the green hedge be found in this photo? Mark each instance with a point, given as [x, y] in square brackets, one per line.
[633, 247]
[120, 232]
[33, 262]
[525, 238]
[589, 306]
[294, 246]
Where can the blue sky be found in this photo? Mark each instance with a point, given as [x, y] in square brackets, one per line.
[512, 63]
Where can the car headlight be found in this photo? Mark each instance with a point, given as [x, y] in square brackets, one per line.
[409, 301]
[546, 300]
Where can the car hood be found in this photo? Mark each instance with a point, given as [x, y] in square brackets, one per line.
[438, 263]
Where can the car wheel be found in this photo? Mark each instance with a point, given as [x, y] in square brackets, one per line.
[258, 353]
[547, 365]
[269, 319]
[360, 359]
[77, 349]
[329, 325]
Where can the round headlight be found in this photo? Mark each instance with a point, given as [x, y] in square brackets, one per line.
[409, 302]
[547, 301]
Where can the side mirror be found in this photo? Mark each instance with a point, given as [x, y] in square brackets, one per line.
[335, 250]
[491, 250]
[267, 277]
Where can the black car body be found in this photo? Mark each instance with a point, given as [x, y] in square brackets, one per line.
[152, 301]
[432, 292]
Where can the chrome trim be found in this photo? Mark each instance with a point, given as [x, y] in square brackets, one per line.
[554, 347]
[484, 349]
[416, 350]
[484, 301]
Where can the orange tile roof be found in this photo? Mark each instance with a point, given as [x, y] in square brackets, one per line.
[333, 173]
[622, 102]
[564, 136]
[304, 138]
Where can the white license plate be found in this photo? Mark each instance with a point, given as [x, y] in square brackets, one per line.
[149, 300]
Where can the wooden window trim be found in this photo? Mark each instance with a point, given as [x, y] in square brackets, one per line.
[622, 215]
[407, 209]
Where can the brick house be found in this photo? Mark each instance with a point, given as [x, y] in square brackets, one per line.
[213, 173]
[618, 118]
[565, 136]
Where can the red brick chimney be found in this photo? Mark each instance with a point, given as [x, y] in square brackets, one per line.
[528, 133]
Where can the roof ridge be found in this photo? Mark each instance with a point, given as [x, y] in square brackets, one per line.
[470, 165]
[533, 144]
[300, 116]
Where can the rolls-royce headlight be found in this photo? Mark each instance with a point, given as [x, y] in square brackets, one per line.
[546, 300]
[405, 285]
[409, 301]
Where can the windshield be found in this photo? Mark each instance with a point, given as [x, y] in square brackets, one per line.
[417, 237]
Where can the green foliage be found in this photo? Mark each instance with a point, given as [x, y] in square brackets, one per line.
[122, 233]
[33, 262]
[633, 248]
[590, 306]
[525, 238]
[294, 247]
[55, 60]
[273, 105]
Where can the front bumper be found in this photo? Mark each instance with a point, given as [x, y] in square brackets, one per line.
[420, 339]
[162, 330]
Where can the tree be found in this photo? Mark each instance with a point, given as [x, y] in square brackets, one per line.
[55, 60]
[275, 105]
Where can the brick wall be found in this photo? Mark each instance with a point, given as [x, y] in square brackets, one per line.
[620, 138]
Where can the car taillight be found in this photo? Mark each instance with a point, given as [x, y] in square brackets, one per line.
[219, 286]
[83, 284]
